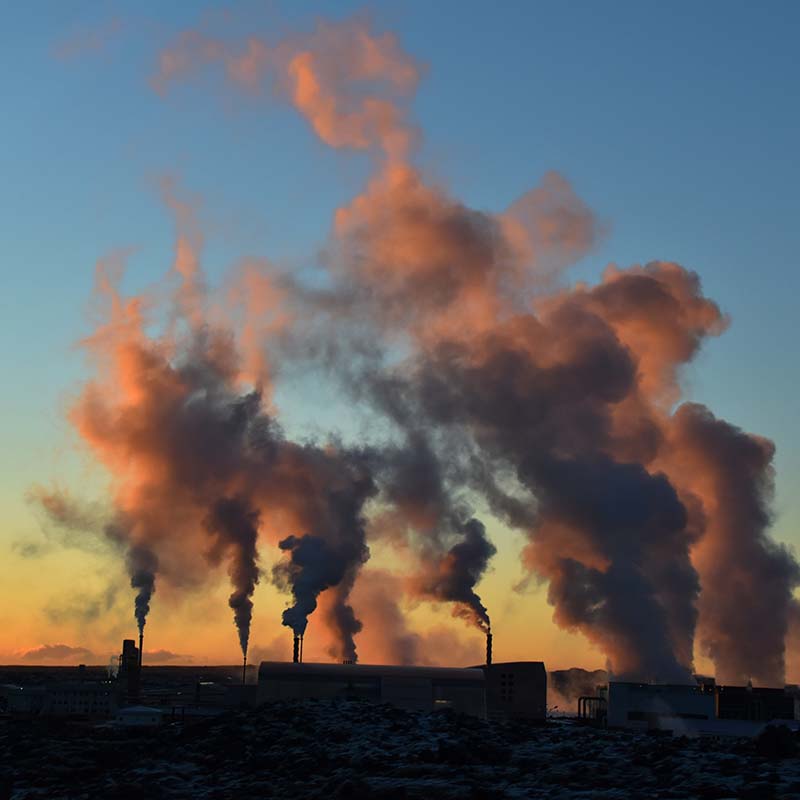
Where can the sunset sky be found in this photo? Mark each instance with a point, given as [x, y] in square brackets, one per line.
[676, 124]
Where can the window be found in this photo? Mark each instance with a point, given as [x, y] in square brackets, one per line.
[507, 687]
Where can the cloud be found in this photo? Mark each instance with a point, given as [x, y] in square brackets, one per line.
[164, 657]
[58, 652]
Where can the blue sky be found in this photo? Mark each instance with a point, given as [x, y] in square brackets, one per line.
[677, 123]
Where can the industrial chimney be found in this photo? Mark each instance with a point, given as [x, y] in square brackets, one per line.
[488, 648]
[296, 652]
[244, 670]
[302, 637]
[141, 647]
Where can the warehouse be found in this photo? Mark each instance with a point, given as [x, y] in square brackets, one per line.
[664, 706]
[412, 688]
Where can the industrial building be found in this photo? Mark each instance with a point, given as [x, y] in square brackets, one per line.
[647, 706]
[412, 688]
[516, 690]
[756, 704]
[699, 709]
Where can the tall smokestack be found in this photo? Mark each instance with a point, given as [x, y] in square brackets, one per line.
[244, 670]
[488, 648]
[302, 638]
[141, 647]
[296, 652]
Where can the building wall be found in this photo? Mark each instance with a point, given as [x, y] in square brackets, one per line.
[747, 703]
[413, 688]
[649, 706]
[80, 700]
[516, 690]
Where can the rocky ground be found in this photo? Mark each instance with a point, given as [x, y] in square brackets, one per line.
[355, 750]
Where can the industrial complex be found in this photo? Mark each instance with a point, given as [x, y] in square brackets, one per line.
[496, 691]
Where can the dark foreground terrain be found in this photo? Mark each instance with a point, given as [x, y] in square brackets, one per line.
[353, 750]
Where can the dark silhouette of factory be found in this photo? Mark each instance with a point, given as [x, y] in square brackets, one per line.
[513, 690]
[504, 691]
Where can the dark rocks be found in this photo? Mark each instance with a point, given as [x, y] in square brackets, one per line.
[776, 741]
[356, 750]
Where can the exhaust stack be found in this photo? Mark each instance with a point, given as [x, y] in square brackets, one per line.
[141, 647]
[302, 637]
[244, 670]
[488, 648]
[296, 652]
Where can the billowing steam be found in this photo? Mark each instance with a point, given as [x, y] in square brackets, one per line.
[497, 390]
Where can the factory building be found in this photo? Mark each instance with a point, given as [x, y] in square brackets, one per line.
[74, 699]
[80, 699]
[20, 700]
[755, 704]
[702, 709]
[516, 690]
[412, 688]
[665, 706]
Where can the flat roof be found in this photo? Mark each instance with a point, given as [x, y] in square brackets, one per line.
[306, 668]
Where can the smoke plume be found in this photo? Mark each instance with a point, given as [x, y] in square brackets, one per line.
[235, 525]
[486, 385]
[746, 602]
[452, 577]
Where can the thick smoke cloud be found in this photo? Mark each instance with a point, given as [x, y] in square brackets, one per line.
[199, 466]
[329, 555]
[746, 603]
[495, 387]
[452, 577]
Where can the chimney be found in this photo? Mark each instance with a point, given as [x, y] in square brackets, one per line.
[296, 653]
[141, 647]
[302, 637]
[488, 648]
[244, 670]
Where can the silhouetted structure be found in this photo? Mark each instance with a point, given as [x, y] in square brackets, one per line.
[129, 675]
[760, 704]
[413, 688]
[593, 708]
[661, 706]
[516, 690]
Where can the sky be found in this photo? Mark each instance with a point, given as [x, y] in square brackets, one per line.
[676, 123]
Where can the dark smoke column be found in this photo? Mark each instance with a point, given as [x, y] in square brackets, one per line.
[314, 566]
[142, 565]
[453, 577]
[235, 525]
